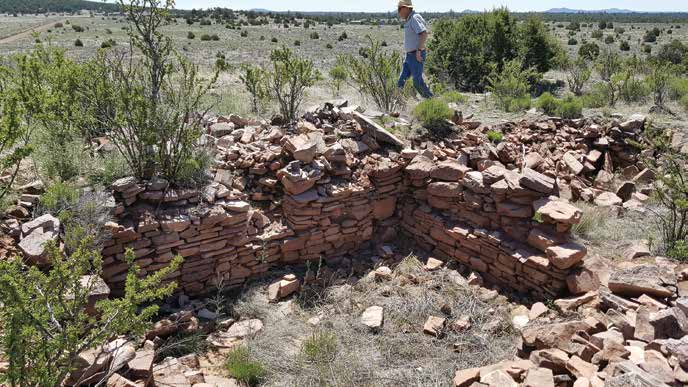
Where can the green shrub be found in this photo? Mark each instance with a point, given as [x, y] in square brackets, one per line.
[598, 97]
[468, 50]
[570, 107]
[329, 46]
[375, 74]
[77, 28]
[547, 103]
[244, 34]
[190, 35]
[433, 112]
[674, 52]
[297, 42]
[214, 37]
[589, 51]
[510, 87]
[108, 168]
[572, 42]
[339, 75]
[290, 77]
[78, 43]
[314, 35]
[205, 37]
[684, 102]
[44, 314]
[108, 44]
[273, 40]
[453, 96]
[609, 39]
[495, 136]
[678, 88]
[671, 193]
[597, 34]
[243, 368]
[578, 73]
[59, 197]
[624, 46]
[255, 79]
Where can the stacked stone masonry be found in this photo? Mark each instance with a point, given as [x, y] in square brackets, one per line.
[326, 187]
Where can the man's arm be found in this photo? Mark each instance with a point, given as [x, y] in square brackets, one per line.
[422, 38]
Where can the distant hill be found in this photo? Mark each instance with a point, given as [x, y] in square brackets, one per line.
[43, 6]
[609, 10]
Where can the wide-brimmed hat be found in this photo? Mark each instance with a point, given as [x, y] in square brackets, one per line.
[405, 3]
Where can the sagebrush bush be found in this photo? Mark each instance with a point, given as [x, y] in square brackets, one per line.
[432, 112]
[58, 197]
[678, 88]
[598, 97]
[578, 73]
[589, 51]
[510, 87]
[570, 107]
[547, 103]
[190, 35]
[78, 43]
[241, 367]
[108, 168]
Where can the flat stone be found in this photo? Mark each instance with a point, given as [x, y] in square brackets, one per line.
[465, 378]
[566, 255]
[637, 280]
[536, 181]
[608, 199]
[539, 377]
[557, 210]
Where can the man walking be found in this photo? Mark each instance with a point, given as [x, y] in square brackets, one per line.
[415, 36]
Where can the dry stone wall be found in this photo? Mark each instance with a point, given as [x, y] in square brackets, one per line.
[328, 186]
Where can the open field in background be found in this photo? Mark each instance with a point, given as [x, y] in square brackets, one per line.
[229, 95]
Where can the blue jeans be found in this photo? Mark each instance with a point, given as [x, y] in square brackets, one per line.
[413, 68]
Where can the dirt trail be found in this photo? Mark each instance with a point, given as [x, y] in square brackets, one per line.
[28, 32]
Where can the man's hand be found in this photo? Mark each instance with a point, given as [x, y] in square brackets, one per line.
[419, 56]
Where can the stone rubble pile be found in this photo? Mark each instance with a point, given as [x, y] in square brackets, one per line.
[592, 162]
[630, 330]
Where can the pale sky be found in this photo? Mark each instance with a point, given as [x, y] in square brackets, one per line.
[435, 5]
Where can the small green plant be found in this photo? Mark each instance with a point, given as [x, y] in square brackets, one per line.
[297, 43]
[314, 35]
[59, 197]
[339, 75]
[205, 37]
[572, 42]
[537, 217]
[243, 368]
[547, 103]
[190, 35]
[320, 347]
[453, 96]
[78, 43]
[273, 40]
[255, 80]
[244, 34]
[510, 87]
[624, 46]
[495, 136]
[432, 112]
[570, 107]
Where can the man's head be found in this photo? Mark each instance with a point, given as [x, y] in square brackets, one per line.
[404, 7]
